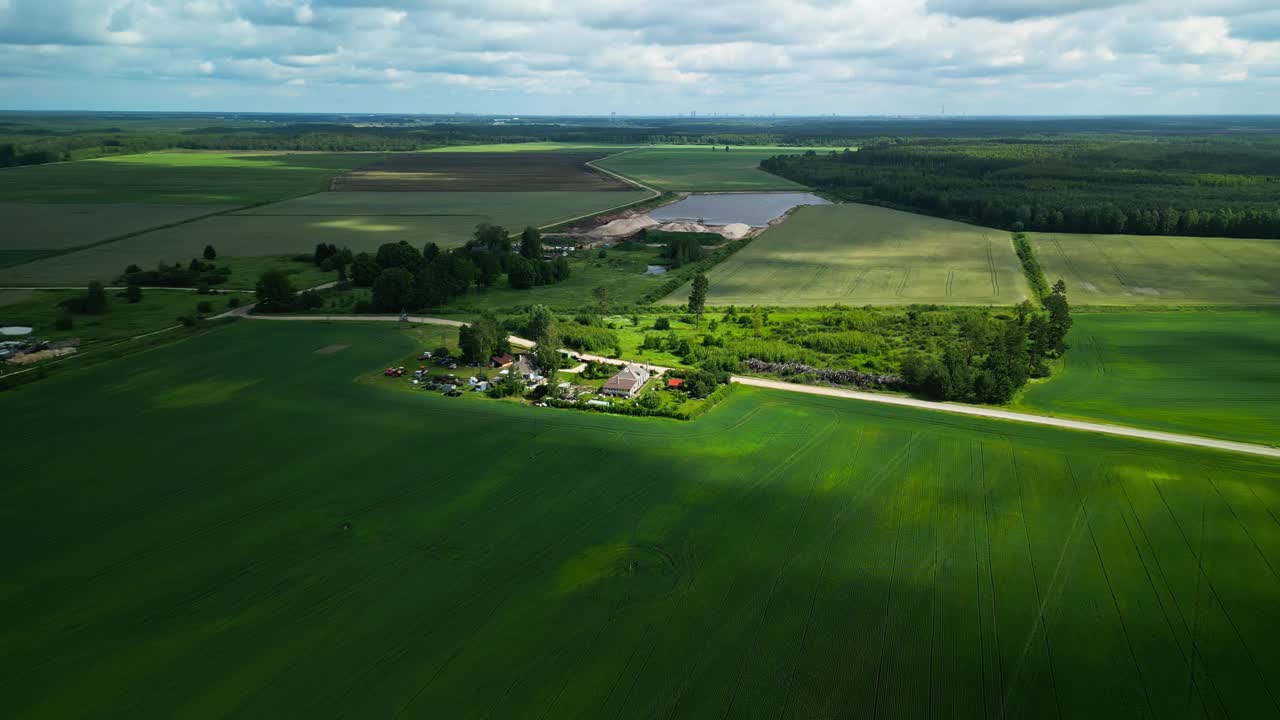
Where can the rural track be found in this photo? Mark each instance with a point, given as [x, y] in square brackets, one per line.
[630, 181]
[994, 414]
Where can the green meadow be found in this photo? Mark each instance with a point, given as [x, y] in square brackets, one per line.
[862, 254]
[1215, 374]
[1158, 270]
[301, 536]
[701, 168]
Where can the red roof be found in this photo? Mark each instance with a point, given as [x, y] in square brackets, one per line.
[675, 382]
[501, 360]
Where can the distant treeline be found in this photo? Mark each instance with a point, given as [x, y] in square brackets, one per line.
[1206, 186]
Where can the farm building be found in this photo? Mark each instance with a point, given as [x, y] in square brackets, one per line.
[500, 361]
[627, 382]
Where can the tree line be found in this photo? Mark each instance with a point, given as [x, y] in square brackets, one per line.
[1214, 188]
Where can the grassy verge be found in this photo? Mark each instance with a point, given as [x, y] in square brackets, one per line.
[1030, 266]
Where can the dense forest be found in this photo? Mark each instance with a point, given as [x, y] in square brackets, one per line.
[1216, 186]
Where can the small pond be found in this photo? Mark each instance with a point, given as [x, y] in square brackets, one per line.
[755, 209]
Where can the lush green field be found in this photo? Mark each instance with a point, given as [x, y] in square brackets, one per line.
[860, 255]
[530, 147]
[1146, 270]
[179, 178]
[700, 167]
[294, 541]
[361, 221]
[42, 227]
[1214, 374]
[157, 310]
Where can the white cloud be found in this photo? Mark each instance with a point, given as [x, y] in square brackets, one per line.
[662, 56]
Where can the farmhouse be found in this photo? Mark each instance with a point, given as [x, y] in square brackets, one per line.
[627, 382]
[500, 361]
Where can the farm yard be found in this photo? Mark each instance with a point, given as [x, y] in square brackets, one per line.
[861, 254]
[1212, 374]
[782, 556]
[1153, 270]
[693, 168]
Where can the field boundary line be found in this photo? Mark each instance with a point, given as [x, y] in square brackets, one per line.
[630, 181]
[991, 267]
[997, 414]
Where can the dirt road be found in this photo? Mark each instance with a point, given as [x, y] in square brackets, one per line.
[984, 412]
[1118, 430]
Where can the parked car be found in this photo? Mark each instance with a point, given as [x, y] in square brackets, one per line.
[393, 372]
[425, 355]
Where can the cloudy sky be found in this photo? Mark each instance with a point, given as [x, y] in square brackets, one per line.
[645, 57]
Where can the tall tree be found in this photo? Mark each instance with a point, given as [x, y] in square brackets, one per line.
[698, 296]
[544, 331]
[95, 299]
[394, 290]
[275, 292]
[210, 253]
[531, 243]
[601, 294]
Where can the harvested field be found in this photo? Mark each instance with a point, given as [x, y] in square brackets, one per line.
[480, 172]
[1160, 270]
[784, 556]
[861, 254]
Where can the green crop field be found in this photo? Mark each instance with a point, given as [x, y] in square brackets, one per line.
[862, 254]
[1152, 270]
[359, 220]
[295, 540]
[158, 309]
[179, 178]
[1215, 374]
[43, 227]
[701, 168]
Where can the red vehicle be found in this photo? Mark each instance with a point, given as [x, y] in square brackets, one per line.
[393, 372]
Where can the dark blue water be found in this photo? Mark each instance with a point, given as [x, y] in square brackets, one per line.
[755, 209]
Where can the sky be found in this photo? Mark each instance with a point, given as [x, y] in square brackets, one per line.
[644, 57]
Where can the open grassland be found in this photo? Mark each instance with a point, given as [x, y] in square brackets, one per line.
[179, 178]
[701, 168]
[158, 309]
[1150, 270]
[1214, 374]
[361, 221]
[860, 255]
[481, 172]
[341, 549]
